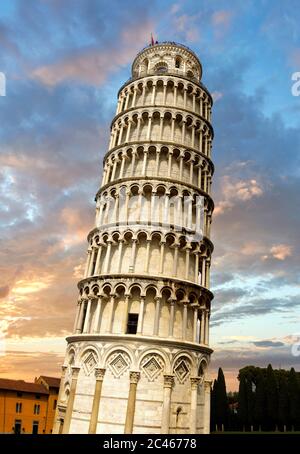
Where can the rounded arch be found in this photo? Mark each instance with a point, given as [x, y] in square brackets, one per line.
[153, 351]
[119, 348]
[203, 365]
[86, 350]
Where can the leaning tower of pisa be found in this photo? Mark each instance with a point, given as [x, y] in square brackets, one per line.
[137, 359]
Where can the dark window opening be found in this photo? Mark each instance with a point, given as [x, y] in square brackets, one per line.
[37, 396]
[35, 427]
[54, 404]
[19, 394]
[132, 323]
[17, 428]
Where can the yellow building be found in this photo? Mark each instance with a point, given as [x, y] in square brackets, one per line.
[28, 407]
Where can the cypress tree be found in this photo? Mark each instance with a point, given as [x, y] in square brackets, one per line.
[221, 401]
[283, 402]
[242, 408]
[271, 398]
[294, 400]
[213, 407]
[250, 403]
[259, 404]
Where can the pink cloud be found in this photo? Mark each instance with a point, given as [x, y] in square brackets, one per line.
[234, 191]
[281, 251]
[221, 21]
[92, 66]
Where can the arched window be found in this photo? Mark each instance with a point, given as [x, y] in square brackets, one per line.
[190, 74]
[177, 62]
[161, 67]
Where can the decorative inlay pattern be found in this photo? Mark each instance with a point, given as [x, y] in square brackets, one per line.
[89, 363]
[152, 366]
[119, 363]
[182, 370]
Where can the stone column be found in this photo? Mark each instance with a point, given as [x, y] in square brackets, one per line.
[181, 166]
[133, 252]
[127, 100]
[202, 327]
[127, 135]
[184, 319]
[57, 421]
[184, 97]
[172, 129]
[91, 262]
[111, 314]
[138, 128]
[134, 378]
[99, 373]
[206, 327]
[97, 315]
[166, 407]
[70, 404]
[206, 416]
[123, 157]
[145, 161]
[141, 316]
[203, 269]
[191, 170]
[80, 318]
[157, 162]
[196, 277]
[170, 163]
[176, 248]
[149, 127]
[194, 101]
[147, 255]
[107, 257]
[156, 317]
[195, 323]
[172, 317]
[175, 96]
[133, 162]
[125, 314]
[199, 175]
[120, 255]
[153, 93]
[134, 97]
[77, 316]
[187, 262]
[194, 393]
[86, 326]
[164, 94]
[161, 127]
[183, 131]
[162, 250]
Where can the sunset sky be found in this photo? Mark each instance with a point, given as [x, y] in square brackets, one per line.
[64, 61]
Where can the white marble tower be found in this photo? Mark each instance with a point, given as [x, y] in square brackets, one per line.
[137, 359]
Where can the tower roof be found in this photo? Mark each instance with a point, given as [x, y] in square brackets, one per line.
[163, 48]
